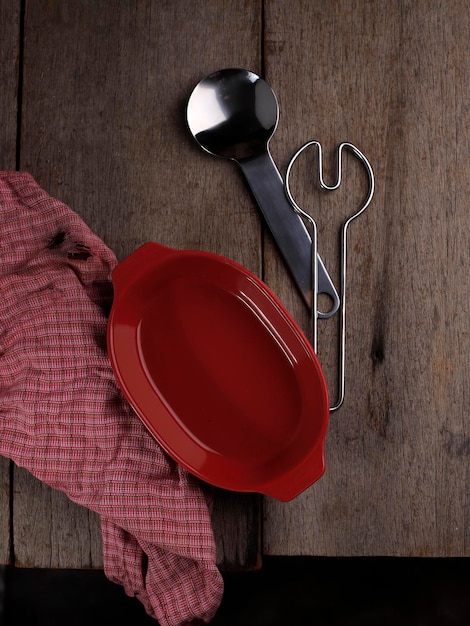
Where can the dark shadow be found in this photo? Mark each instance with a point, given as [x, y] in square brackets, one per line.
[287, 591]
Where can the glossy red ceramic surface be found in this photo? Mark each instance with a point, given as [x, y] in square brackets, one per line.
[218, 371]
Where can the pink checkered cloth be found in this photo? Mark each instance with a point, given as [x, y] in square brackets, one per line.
[63, 418]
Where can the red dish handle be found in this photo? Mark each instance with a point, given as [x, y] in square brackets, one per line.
[293, 483]
[146, 256]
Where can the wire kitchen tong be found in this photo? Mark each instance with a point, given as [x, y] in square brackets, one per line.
[315, 314]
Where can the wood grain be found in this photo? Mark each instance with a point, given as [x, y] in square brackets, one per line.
[237, 524]
[50, 531]
[392, 78]
[105, 88]
[9, 63]
[104, 91]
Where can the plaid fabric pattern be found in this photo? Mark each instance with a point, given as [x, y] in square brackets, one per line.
[63, 418]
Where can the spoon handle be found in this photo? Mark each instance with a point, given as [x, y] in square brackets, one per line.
[287, 227]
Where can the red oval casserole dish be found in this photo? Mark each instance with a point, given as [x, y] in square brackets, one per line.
[218, 371]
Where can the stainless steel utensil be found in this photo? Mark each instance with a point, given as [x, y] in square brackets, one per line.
[233, 113]
[344, 240]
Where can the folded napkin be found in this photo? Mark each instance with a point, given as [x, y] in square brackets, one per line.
[63, 418]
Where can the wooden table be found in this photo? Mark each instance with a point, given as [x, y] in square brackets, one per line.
[92, 104]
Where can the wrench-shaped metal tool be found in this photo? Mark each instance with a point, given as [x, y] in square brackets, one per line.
[344, 240]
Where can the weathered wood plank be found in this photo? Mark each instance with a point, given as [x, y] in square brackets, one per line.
[50, 531]
[392, 78]
[9, 57]
[105, 87]
[237, 524]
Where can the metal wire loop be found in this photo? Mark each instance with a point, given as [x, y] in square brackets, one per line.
[343, 252]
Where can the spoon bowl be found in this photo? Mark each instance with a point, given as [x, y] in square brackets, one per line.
[233, 114]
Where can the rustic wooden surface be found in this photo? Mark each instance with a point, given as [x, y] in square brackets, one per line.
[9, 53]
[104, 91]
[391, 77]
[104, 86]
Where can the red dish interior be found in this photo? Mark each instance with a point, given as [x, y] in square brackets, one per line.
[218, 371]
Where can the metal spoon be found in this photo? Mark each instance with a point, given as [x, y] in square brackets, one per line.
[233, 113]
